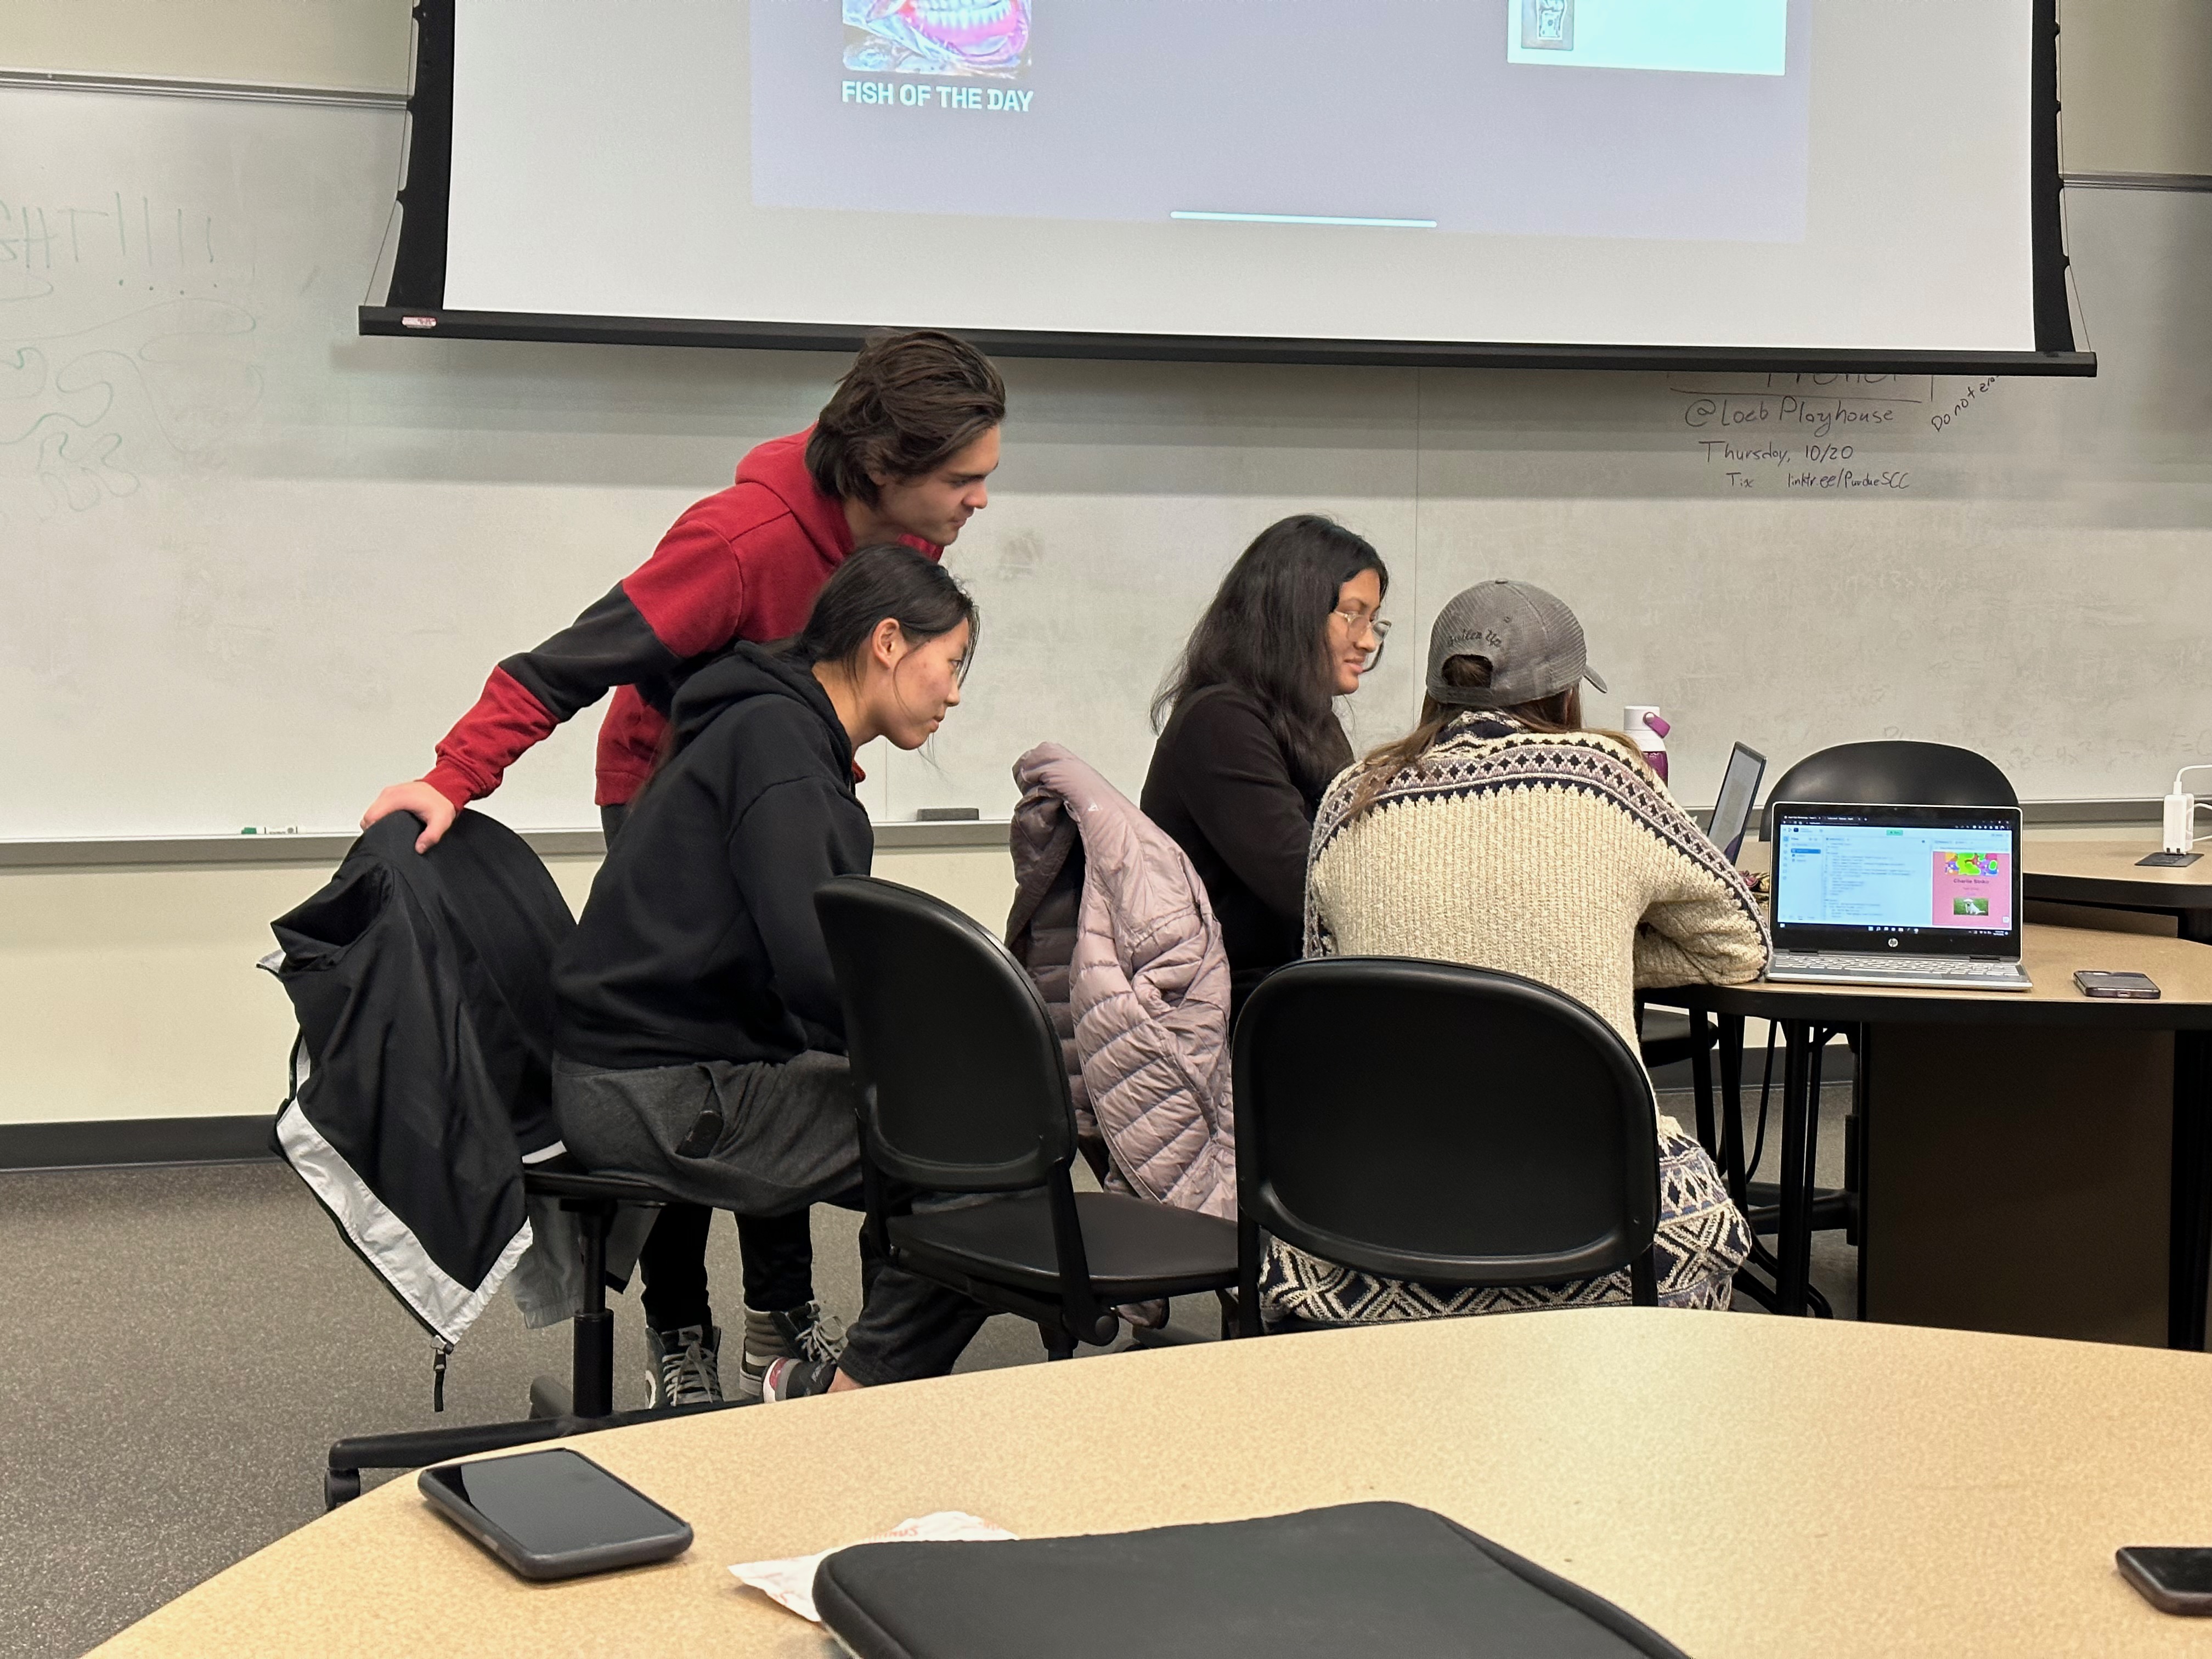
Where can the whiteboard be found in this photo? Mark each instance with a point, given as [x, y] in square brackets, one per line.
[252, 566]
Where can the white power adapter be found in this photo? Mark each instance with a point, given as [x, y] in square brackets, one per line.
[2180, 823]
[2181, 814]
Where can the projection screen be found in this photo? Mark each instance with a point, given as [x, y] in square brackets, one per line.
[1851, 182]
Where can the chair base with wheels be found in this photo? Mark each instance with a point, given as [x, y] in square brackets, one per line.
[585, 1406]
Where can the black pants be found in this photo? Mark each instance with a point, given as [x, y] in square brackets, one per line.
[778, 1252]
[779, 1264]
[777, 1138]
[913, 1327]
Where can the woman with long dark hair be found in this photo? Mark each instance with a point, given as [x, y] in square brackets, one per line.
[701, 1040]
[1249, 737]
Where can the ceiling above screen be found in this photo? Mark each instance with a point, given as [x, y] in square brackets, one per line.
[1856, 184]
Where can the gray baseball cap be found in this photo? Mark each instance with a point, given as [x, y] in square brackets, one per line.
[1534, 643]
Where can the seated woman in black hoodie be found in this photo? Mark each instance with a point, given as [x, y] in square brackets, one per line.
[701, 1040]
[1251, 737]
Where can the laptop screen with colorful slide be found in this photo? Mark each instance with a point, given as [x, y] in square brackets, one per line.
[1937, 880]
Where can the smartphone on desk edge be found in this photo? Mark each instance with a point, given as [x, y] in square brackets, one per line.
[2126, 986]
[2173, 1580]
[554, 1514]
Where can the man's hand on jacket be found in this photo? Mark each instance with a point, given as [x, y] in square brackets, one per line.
[425, 802]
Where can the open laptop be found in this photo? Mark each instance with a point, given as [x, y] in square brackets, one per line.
[1925, 895]
[1732, 812]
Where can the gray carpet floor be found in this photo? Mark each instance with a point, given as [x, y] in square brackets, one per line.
[188, 1341]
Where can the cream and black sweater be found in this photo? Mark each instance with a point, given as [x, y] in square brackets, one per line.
[1560, 858]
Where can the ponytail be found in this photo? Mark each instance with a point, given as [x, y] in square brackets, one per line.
[884, 581]
[1561, 712]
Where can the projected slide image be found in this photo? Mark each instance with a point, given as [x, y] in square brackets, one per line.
[1548, 25]
[1705, 37]
[937, 37]
[1360, 115]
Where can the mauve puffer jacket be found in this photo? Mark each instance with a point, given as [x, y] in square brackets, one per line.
[1146, 980]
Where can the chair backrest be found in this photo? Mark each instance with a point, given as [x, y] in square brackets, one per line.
[1453, 1125]
[1892, 772]
[959, 1073]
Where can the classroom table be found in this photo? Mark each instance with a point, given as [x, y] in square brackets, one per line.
[2108, 874]
[1808, 1014]
[1748, 1485]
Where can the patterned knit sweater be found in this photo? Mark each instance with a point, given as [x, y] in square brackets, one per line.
[1560, 857]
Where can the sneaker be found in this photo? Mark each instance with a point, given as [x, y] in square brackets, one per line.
[684, 1367]
[795, 1379]
[803, 1332]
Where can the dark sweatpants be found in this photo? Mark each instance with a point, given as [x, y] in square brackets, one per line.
[764, 1140]
[777, 1251]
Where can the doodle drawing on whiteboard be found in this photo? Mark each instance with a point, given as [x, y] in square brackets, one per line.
[116, 354]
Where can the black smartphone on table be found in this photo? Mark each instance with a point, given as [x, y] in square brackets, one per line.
[554, 1514]
[2129, 987]
[2172, 1580]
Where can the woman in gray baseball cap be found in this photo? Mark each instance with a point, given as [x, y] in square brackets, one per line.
[1505, 832]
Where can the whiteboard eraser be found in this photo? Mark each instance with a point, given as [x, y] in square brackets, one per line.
[946, 815]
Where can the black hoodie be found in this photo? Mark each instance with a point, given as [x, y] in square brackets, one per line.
[699, 941]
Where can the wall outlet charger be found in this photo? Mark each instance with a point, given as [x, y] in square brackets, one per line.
[2180, 822]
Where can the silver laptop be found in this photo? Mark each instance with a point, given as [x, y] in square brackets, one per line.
[1925, 896]
[1732, 812]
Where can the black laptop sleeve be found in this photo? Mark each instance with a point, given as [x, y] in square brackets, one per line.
[1360, 1578]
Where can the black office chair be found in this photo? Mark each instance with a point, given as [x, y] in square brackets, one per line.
[1449, 1124]
[1891, 772]
[1884, 772]
[585, 1406]
[1664, 1036]
[962, 1089]
[505, 920]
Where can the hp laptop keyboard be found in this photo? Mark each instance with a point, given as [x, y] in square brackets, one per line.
[1922, 967]
[1899, 970]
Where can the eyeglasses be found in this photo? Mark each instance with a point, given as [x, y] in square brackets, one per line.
[1360, 622]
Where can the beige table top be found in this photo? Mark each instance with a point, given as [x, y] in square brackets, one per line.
[2051, 954]
[2088, 871]
[1748, 1485]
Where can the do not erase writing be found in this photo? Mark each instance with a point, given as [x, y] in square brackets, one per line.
[911, 94]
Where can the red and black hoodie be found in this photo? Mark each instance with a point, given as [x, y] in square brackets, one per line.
[744, 564]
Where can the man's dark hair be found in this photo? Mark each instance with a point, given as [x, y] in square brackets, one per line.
[909, 403]
[1266, 635]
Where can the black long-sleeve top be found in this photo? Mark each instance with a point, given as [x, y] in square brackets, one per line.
[1224, 788]
[699, 940]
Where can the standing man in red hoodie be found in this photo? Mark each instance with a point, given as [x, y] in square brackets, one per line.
[900, 454]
